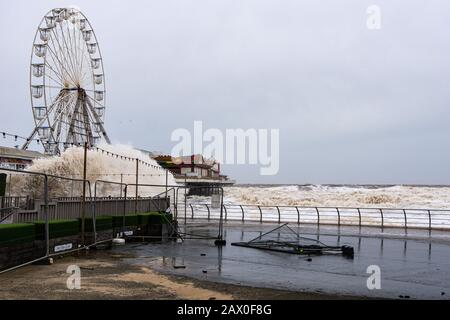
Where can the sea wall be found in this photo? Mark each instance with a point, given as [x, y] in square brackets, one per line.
[25, 242]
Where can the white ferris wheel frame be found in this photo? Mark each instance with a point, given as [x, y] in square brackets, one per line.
[67, 82]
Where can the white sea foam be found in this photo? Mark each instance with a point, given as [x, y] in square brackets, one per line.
[100, 166]
[342, 196]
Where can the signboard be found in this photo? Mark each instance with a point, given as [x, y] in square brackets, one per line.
[125, 233]
[191, 174]
[63, 247]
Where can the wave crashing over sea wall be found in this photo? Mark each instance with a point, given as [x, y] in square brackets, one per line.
[100, 166]
[399, 196]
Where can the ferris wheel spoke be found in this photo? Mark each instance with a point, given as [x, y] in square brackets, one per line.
[59, 114]
[87, 123]
[85, 76]
[61, 48]
[50, 109]
[98, 121]
[40, 123]
[77, 47]
[95, 101]
[72, 133]
[61, 86]
[73, 47]
[69, 108]
[57, 65]
[63, 61]
[85, 59]
[98, 129]
[58, 49]
[54, 87]
[69, 54]
[56, 73]
[63, 68]
[81, 53]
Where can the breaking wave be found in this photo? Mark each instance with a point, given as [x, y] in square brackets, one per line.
[343, 196]
[99, 167]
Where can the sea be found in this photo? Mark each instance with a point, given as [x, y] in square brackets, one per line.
[324, 195]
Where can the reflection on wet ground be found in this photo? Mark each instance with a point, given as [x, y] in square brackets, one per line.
[413, 264]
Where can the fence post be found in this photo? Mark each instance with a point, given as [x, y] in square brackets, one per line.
[359, 215]
[260, 214]
[242, 209]
[279, 215]
[83, 203]
[159, 204]
[298, 215]
[125, 191]
[209, 213]
[429, 220]
[406, 221]
[47, 228]
[382, 218]
[339, 217]
[226, 213]
[318, 215]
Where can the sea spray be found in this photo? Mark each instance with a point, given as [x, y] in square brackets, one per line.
[100, 166]
[399, 196]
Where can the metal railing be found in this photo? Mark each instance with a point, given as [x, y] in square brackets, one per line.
[70, 207]
[17, 202]
[340, 216]
[6, 214]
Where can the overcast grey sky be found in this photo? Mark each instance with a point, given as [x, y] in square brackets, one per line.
[353, 105]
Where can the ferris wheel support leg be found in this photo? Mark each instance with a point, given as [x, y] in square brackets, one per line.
[29, 139]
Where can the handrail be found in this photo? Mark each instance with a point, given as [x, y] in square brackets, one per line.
[279, 214]
[406, 220]
[8, 214]
[339, 216]
[388, 217]
[429, 219]
[209, 211]
[9, 208]
[334, 207]
[90, 198]
[226, 212]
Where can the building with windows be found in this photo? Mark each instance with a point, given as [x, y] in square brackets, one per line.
[192, 166]
[194, 171]
[13, 158]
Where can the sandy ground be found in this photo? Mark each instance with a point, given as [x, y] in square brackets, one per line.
[104, 275]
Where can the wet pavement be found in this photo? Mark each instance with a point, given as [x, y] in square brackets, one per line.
[413, 264]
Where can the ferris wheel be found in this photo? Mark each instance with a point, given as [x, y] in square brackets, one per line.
[67, 83]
